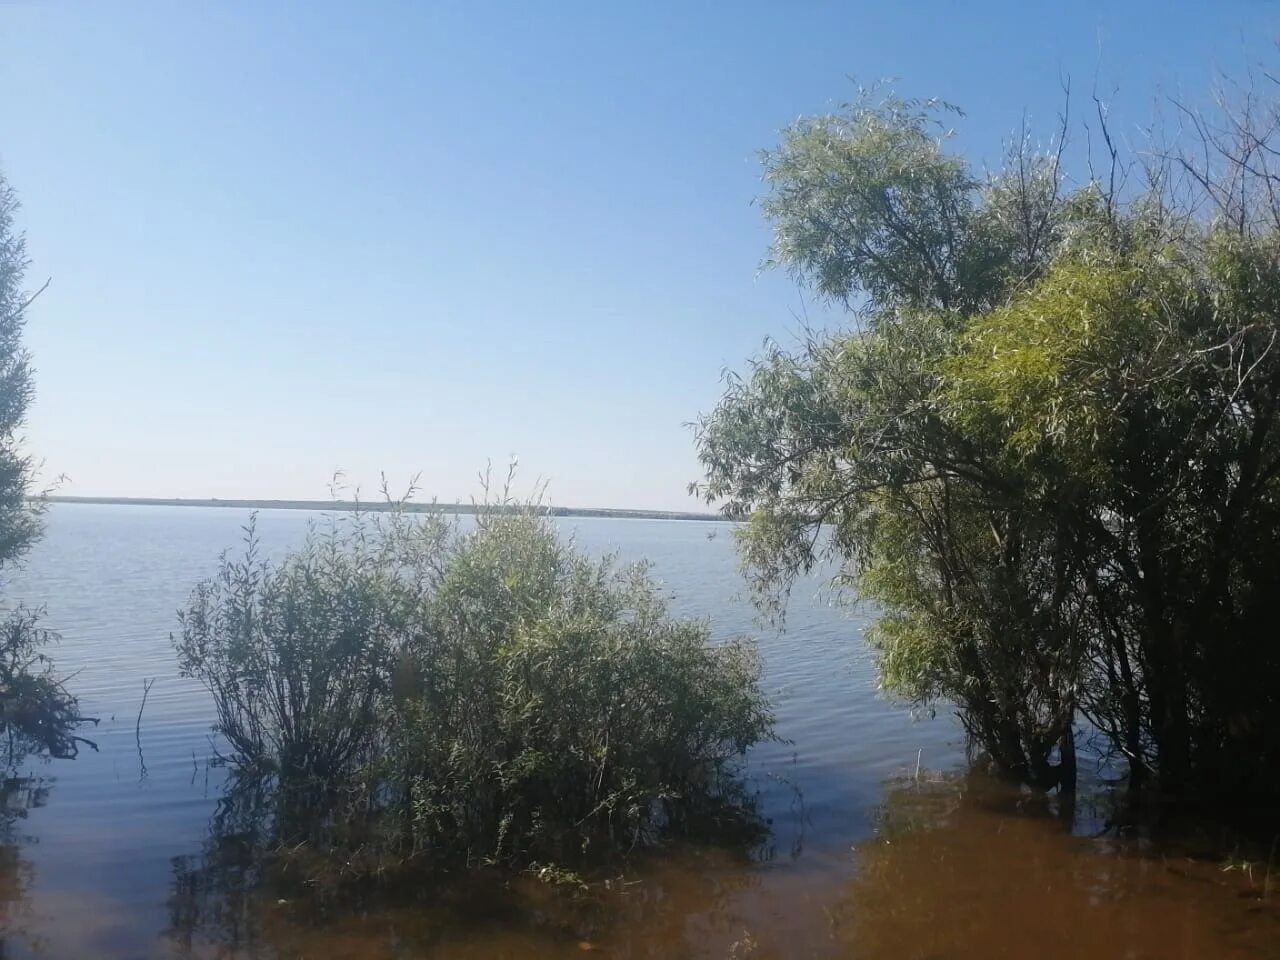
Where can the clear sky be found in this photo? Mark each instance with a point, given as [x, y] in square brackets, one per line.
[287, 238]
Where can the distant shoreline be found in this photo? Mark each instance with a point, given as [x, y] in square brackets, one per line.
[377, 505]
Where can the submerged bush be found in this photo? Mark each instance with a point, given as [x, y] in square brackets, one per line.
[297, 654]
[556, 702]
[477, 693]
[38, 716]
[1046, 446]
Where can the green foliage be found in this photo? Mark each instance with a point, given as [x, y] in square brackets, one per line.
[298, 655]
[19, 517]
[475, 693]
[870, 209]
[37, 714]
[560, 705]
[1048, 450]
[1034, 375]
[840, 184]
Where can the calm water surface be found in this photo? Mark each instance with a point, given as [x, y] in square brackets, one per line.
[881, 847]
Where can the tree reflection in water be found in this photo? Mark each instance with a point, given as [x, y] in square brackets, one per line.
[18, 796]
[966, 868]
[234, 901]
[958, 868]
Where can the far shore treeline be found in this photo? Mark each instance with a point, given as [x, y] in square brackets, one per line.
[459, 509]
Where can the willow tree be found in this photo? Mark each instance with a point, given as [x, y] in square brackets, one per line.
[1044, 446]
[37, 714]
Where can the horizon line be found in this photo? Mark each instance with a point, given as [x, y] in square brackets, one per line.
[382, 506]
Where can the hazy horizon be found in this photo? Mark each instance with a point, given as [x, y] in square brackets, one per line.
[284, 240]
[348, 497]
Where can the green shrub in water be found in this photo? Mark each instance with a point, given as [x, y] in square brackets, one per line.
[297, 654]
[478, 692]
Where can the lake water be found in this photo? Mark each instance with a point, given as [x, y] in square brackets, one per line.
[881, 847]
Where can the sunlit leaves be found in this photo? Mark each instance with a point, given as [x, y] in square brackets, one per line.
[1047, 448]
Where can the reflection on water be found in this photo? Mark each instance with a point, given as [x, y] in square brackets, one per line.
[127, 863]
[959, 868]
[18, 796]
[215, 892]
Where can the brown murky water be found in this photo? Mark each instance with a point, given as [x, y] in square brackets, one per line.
[957, 868]
[112, 855]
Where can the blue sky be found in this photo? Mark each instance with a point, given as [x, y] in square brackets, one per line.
[290, 238]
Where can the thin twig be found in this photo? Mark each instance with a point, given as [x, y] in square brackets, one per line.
[137, 727]
[22, 307]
